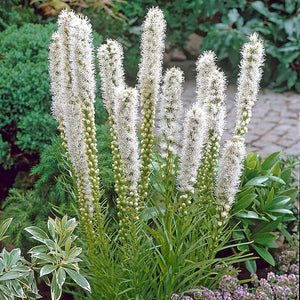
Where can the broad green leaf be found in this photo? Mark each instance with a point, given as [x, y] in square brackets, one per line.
[39, 249]
[251, 266]
[266, 227]
[47, 269]
[258, 181]
[279, 202]
[244, 202]
[275, 170]
[270, 160]
[290, 192]
[269, 198]
[248, 215]
[37, 233]
[264, 238]
[290, 5]
[264, 254]
[233, 15]
[261, 8]
[286, 174]
[79, 279]
[292, 79]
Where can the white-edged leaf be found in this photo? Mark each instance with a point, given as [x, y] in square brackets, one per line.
[37, 233]
[79, 279]
[47, 269]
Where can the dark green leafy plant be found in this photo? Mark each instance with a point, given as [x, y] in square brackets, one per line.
[276, 21]
[264, 206]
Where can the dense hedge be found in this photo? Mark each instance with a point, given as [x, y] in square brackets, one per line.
[25, 123]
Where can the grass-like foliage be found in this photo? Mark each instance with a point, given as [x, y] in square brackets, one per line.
[172, 205]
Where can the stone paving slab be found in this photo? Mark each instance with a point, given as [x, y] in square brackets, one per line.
[274, 125]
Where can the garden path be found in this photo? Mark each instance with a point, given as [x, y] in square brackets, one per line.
[275, 122]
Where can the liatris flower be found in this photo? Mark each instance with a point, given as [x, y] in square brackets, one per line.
[149, 76]
[205, 65]
[126, 119]
[73, 86]
[191, 153]
[248, 81]
[126, 102]
[214, 109]
[229, 175]
[170, 111]
[110, 57]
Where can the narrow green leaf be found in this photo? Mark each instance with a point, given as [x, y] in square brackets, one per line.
[79, 279]
[47, 269]
[55, 290]
[60, 277]
[264, 254]
[259, 180]
[244, 202]
[4, 226]
[281, 211]
[10, 275]
[37, 233]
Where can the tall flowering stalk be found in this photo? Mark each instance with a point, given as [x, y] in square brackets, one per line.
[110, 56]
[214, 109]
[248, 81]
[231, 163]
[190, 157]
[73, 88]
[126, 102]
[149, 76]
[169, 125]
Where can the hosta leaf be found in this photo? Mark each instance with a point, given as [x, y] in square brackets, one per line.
[79, 279]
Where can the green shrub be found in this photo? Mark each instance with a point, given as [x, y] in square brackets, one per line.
[277, 23]
[25, 123]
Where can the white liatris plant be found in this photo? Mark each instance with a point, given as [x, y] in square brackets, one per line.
[128, 144]
[149, 77]
[231, 163]
[190, 158]
[214, 110]
[73, 89]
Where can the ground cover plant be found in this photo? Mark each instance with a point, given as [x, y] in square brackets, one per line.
[173, 203]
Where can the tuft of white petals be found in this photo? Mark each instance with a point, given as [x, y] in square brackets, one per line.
[248, 81]
[230, 170]
[205, 65]
[150, 68]
[126, 102]
[170, 111]
[110, 56]
[192, 148]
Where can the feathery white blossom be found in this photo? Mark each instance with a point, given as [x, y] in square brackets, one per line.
[170, 111]
[149, 77]
[214, 109]
[192, 149]
[126, 102]
[205, 65]
[248, 81]
[73, 87]
[110, 57]
[229, 173]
